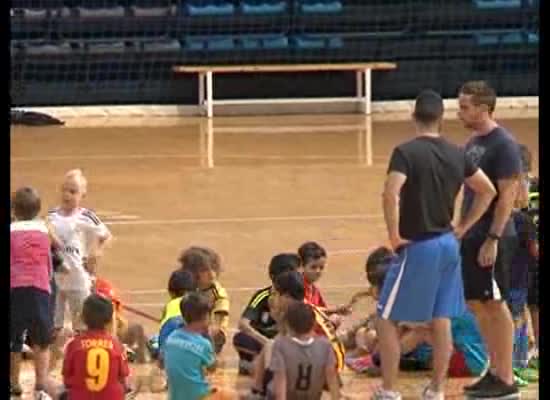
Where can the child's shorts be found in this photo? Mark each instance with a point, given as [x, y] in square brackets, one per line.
[75, 300]
[517, 299]
[533, 286]
[30, 314]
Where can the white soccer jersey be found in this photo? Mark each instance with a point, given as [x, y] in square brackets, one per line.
[76, 232]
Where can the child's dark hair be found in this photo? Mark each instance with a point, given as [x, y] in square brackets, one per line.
[282, 263]
[97, 312]
[194, 307]
[26, 204]
[377, 266]
[291, 284]
[215, 261]
[300, 317]
[194, 260]
[180, 283]
[311, 251]
[526, 158]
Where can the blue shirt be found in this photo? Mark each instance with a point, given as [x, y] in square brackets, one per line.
[467, 339]
[186, 355]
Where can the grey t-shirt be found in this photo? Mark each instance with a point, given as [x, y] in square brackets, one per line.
[305, 364]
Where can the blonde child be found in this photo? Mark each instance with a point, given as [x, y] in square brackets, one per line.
[82, 237]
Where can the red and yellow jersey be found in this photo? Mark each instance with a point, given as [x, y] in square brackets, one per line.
[324, 327]
[105, 289]
[95, 367]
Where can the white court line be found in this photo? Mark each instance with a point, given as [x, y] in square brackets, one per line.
[238, 289]
[180, 156]
[244, 219]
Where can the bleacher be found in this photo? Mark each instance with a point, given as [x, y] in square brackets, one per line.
[120, 51]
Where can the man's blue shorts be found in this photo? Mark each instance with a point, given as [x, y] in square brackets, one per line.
[424, 282]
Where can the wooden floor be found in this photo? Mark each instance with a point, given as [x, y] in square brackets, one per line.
[247, 187]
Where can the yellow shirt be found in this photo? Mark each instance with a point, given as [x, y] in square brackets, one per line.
[219, 301]
[171, 310]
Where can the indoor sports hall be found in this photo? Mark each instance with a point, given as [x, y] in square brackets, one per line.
[250, 127]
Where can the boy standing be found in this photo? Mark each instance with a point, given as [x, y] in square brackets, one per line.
[83, 235]
[30, 273]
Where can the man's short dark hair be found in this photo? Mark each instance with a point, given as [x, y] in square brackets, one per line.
[290, 284]
[97, 312]
[482, 94]
[300, 317]
[428, 107]
[377, 266]
[282, 263]
[181, 282]
[194, 307]
[26, 203]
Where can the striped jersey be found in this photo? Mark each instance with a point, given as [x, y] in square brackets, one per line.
[324, 327]
[76, 232]
[30, 257]
[258, 313]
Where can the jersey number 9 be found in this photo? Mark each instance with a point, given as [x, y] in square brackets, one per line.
[97, 368]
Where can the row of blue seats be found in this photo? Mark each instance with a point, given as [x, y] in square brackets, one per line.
[190, 43]
[504, 4]
[190, 7]
[258, 42]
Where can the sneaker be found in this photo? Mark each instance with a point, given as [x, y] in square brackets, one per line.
[496, 389]
[534, 362]
[530, 375]
[245, 368]
[480, 383]
[520, 383]
[429, 394]
[16, 390]
[382, 394]
[41, 395]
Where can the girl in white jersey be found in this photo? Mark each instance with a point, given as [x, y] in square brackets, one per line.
[83, 236]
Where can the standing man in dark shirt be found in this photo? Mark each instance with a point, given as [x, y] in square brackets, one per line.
[424, 284]
[488, 248]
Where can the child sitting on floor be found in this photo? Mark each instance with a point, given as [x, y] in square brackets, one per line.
[257, 327]
[205, 266]
[469, 357]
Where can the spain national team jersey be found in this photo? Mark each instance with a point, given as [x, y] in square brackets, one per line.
[324, 327]
[312, 295]
[94, 367]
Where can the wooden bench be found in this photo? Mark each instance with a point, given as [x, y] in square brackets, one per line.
[206, 78]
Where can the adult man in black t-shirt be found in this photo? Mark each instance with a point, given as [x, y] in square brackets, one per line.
[488, 248]
[424, 284]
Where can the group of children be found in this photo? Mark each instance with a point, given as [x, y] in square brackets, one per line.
[289, 340]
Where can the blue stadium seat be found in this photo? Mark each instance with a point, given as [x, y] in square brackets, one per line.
[105, 47]
[317, 42]
[208, 7]
[112, 12]
[161, 46]
[48, 48]
[263, 6]
[259, 42]
[216, 43]
[496, 4]
[152, 8]
[510, 37]
[320, 6]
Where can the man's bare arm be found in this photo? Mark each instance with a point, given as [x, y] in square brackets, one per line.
[485, 192]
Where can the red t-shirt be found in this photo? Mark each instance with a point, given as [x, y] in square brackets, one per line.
[94, 367]
[312, 295]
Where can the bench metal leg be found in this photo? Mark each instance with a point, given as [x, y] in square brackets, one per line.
[209, 94]
[368, 92]
[201, 91]
[359, 85]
